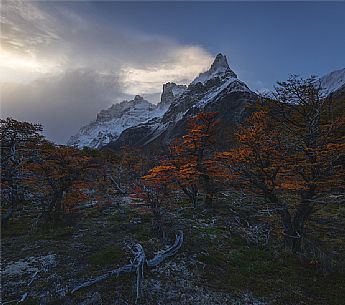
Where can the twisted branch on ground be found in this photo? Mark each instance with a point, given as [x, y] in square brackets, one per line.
[137, 265]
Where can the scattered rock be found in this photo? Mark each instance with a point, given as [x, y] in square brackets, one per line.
[29, 265]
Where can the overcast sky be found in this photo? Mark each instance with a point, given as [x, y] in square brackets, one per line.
[62, 62]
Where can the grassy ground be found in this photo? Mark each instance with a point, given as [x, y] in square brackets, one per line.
[270, 272]
[216, 265]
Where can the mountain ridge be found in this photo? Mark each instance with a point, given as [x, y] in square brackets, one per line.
[138, 122]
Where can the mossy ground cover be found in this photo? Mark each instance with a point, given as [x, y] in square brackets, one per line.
[270, 272]
[16, 228]
[226, 263]
[111, 255]
[279, 277]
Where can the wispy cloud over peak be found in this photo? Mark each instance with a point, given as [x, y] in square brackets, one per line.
[80, 62]
[180, 65]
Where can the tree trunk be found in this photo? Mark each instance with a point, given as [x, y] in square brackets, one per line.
[302, 215]
[55, 206]
[209, 190]
[117, 185]
[294, 227]
[5, 218]
[157, 225]
[289, 233]
[208, 200]
[191, 192]
[292, 236]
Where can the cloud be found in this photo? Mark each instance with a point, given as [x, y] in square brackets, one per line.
[60, 68]
[62, 103]
[67, 66]
[180, 65]
[56, 37]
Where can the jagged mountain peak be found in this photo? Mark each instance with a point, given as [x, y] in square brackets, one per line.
[220, 63]
[219, 68]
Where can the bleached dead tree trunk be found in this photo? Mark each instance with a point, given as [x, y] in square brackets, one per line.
[136, 265]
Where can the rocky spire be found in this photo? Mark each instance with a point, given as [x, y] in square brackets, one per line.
[220, 63]
[171, 91]
[219, 68]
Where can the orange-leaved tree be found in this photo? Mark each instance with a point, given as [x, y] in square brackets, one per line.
[257, 163]
[294, 145]
[314, 167]
[61, 176]
[19, 141]
[155, 189]
[191, 164]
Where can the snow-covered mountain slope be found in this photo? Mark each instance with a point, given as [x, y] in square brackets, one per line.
[112, 121]
[217, 89]
[140, 123]
[333, 81]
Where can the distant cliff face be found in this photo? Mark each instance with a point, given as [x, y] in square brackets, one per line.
[170, 92]
[139, 123]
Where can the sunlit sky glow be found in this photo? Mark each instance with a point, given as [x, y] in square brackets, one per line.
[23, 68]
[62, 62]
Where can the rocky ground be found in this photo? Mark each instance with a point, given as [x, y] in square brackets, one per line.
[217, 264]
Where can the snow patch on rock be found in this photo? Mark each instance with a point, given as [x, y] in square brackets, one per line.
[230, 85]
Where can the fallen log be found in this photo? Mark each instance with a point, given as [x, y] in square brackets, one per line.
[136, 265]
[172, 250]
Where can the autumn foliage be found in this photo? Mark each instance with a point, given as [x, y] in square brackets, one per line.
[289, 151]
[19, 141]
[60, 178]
[53, 178]
[190, 165]
[293, 146]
